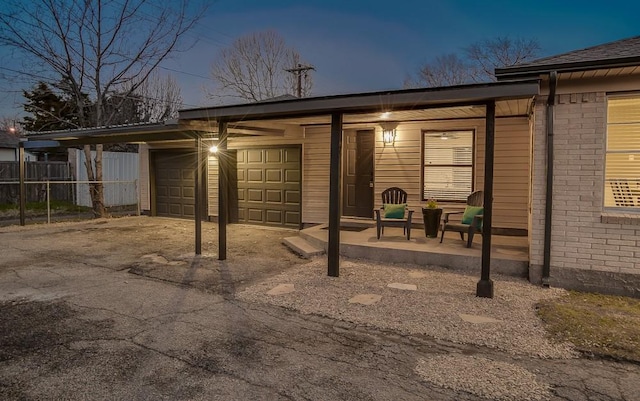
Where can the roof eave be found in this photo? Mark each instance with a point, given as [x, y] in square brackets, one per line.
[524, 72]
[367, 102]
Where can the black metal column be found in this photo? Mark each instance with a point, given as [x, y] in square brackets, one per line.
[198, 197]
[22, 190]
[333, 254]
[485, 285]
[222, 190]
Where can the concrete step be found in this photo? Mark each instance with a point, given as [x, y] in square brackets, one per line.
[302, 247]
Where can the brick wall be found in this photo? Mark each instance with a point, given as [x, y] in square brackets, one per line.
[591, 250]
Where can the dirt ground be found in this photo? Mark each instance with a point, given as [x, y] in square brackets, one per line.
[122, 309]
[147, 246]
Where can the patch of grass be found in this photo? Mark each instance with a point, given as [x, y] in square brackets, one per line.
[37, 208]
[599, 324]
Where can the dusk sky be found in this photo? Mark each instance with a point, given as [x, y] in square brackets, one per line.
[361, 46]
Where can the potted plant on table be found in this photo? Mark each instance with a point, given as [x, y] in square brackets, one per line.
[431, 214]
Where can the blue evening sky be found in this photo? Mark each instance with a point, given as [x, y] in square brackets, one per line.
[370, 45]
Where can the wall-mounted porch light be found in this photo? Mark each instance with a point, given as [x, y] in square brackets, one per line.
[389, 132]
[213, 149]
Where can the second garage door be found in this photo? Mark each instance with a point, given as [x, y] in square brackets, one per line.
[269, 186]
[174, 183]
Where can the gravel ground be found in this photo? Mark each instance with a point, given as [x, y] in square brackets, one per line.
[441, 308]
[433, 310]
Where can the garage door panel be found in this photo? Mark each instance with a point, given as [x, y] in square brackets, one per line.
[255, 215]
[292, 176]
[254, 156]
[188, 210]
[274, 175]
[188, 175]
[292, 218]
[274, 216]
[292, 197]
[188, 192]
[274, 196]
[254, 195]
[273, 156]
[292, 156]
[271, 192]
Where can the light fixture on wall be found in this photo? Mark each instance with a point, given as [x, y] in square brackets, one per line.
[389, 132]
[213, 149]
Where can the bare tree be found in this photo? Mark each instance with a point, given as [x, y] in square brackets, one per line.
[253, 68]
[91, 49]
[477, 63]
[160, 98]
[445, 70]
[487, 55]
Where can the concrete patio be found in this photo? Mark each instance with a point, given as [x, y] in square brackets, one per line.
[509, 254]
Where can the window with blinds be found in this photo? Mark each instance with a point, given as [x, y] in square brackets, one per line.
[447, 165]
[622, 163]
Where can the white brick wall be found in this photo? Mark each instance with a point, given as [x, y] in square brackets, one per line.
[583, 236]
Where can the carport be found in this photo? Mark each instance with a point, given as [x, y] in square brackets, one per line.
[217, 123]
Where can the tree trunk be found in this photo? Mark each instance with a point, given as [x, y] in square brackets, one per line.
[96, 188]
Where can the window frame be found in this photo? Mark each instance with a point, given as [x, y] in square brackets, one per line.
[605, 186]
[423, 165]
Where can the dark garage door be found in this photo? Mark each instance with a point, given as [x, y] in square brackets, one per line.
[269, 182]
[174, 184]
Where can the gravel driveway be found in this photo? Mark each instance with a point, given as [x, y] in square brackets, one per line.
[121, 309]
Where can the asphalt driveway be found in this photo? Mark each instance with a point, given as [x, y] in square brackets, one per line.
[121, 309]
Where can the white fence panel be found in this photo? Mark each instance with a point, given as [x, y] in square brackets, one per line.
[116, 166]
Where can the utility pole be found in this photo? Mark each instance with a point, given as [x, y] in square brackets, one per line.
[298, 72]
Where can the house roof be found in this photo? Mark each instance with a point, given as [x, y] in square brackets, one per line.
[246, 118]
[8, 140]
[406, 99]
[621, 53]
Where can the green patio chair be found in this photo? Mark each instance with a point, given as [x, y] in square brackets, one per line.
[471, 221]
[394, 212]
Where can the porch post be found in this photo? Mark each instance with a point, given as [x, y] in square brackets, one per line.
[22, 189]
[333, 254]
[222, 190]
[197, 198]
[485, 285]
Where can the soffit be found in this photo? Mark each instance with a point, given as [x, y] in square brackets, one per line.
[504, 108]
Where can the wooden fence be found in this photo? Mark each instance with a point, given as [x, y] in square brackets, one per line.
[35, 171]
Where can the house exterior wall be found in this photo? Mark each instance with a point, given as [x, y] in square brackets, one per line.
[397, 165]
[591, 249]
[400, 165]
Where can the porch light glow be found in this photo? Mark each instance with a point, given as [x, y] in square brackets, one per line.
[385, 115]
[213, 149]
[389, 132]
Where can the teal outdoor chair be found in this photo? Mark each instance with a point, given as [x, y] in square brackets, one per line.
[471, 221]
[394, 212]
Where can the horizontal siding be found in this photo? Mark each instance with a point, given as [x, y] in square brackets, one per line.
[400, 165]
[316, 162]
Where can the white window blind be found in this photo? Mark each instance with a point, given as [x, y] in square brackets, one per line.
[448, 165]
[622, 165]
